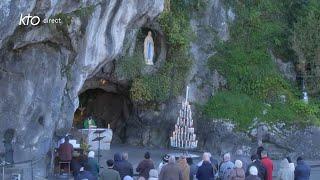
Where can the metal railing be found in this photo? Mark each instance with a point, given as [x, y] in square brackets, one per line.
[19, 167]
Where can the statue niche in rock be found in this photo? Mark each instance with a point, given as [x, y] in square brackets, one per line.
[148, 49]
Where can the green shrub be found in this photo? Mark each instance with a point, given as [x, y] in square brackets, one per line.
[239, 108]
[130, 67]
[252, 77]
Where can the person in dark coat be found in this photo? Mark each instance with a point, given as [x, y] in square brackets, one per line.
[193, 168]
[262, 172]
[302, 170]
[84, 173]
[75, 164]
[259, 150]
[124, 167]
[110, 173]
[171, 171]
[92, 164]
[205, 171]
[145, 166]
[117, 158]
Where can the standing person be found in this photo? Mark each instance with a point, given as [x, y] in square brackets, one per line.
[164, 161]
[145, 166]
[285, 172]
[267, 163]
[75, 164]
[153, 174]
[262, 172]
[253, 174]
[291, 164]
[193, 168]
[205, 171]
[84, 173]
[182, 162]
[124, 167]
[226, 167]
[92, 164]
[117, 158]
[238, 172]
[127, 178]
[110, 173]
[302, 171]
[171, 171]
[259, 151]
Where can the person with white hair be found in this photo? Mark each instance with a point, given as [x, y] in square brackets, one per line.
[205, 171]
[92, 164]
[127, 178]
[171, 170]
[238, 172]
[153, 174]
[205, 155]
[226, 167]
[253, 174]
[285, 172]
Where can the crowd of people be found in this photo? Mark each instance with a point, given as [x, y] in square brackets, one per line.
[260, 167]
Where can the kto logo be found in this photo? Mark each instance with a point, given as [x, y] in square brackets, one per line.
[33, 20]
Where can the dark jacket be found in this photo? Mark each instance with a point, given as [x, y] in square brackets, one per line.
[252, 177]
[110, 174]
[75, 166]
[124, 168]
[262, 172]
[205, 171]
[193, 171]
[302, 171]
[85, 175]
[93, 166]
[144, 168]
[170, 171]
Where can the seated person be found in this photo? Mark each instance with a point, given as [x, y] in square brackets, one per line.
[65, 150]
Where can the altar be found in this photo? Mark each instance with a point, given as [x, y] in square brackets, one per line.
[92, 134]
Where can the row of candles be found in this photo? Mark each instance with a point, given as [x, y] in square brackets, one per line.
[183, 135]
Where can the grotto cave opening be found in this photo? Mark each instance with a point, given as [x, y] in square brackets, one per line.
[106, 109]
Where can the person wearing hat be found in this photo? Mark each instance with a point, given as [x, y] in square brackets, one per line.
[164, 161]
[238, 172]
[253, 174]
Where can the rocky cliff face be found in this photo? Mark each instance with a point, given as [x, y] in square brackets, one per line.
[43, 67]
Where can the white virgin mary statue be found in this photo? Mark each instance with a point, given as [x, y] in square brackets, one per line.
[148, 49]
